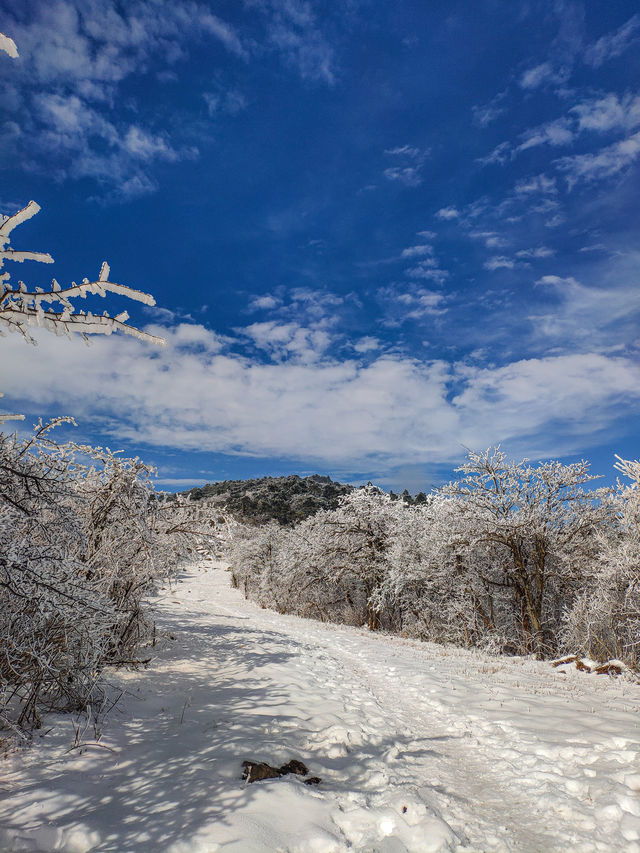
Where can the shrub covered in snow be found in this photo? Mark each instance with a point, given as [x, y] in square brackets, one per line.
[604, 621]
[81, 543]
[514, 557]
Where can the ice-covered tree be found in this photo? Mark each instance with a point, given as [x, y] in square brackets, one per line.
[433, 592]
[604, 621]
[530, 532]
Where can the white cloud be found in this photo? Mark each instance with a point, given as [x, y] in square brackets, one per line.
[75, 58]
[410, 176]
[608, 112]
[288, 340]
[537, 184]
[545, 73]
[484, 114]
[558, 132]
[417, 251]
[263, 303]
[613, 44]
[428, 272]
[231, 102]
[315, 305]
[293, 30]
[416, 303]
[500, 154]
[538, 252]
[194, 395]
[603, 317]
[406, 150]
[427, 266]
[66, 95]
[93, 45]
[145, 146]
[490, 238]
[448, 213]
[529, 401]
[499, 262]
[206, 22]
[555, 221]
[409, 171]
[367, 344]
[602, 164]
[80, 142]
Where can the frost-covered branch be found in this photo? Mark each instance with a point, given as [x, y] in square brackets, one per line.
[54, 309]
[8, 46]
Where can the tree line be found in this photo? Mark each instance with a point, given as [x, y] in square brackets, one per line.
[512, 557]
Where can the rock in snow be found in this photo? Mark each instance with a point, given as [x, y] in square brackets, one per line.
[419, 747]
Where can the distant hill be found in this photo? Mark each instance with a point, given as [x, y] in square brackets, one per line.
[282, 499]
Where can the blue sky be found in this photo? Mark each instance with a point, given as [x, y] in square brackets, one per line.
[378, 233]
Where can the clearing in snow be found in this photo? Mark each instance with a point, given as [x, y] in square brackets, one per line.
[419, 747]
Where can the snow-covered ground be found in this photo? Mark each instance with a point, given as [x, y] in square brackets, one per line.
[419, 747]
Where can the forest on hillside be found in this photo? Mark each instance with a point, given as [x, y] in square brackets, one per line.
[282, 499]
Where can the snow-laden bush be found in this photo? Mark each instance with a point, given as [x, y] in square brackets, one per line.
[81, 543]
[331, 566]
[528, 533]
[428, 585]
[496, 559]
[604, 621]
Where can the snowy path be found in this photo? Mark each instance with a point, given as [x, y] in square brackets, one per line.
[419, 748]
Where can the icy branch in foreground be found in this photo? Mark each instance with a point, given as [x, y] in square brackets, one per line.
[21, 308]
[8, 45]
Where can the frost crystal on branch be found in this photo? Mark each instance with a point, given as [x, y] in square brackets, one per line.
[8, 45]
[54, 310]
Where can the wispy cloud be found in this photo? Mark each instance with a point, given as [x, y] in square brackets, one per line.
[498, 262]
[491, 239]
[598, 318]
[613, 44]
[63, 100]
[284, 341]
[536, 253]
[537, 184]
[485, 114]
[501, 154]
[293, 30]
[64, 91]
[410, 176]
[609, 112]
[409, 303]
[264, 303]
[557, 132]
[546, 73]
[407, 168]
[419, 251]
[448, 213]
[231, 102]
[605, 163]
